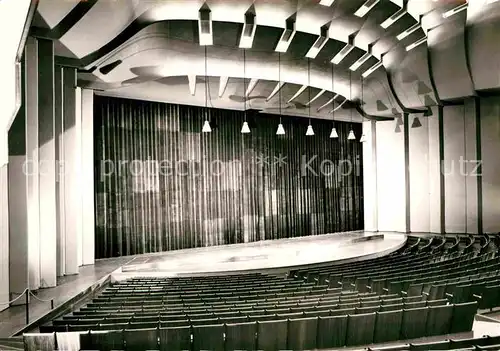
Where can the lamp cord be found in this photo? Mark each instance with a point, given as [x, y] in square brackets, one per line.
[279, 82]
[244, 86]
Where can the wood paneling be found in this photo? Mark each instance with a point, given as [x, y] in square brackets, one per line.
[163, 185]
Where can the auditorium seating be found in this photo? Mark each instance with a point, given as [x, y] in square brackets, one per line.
[430, 287]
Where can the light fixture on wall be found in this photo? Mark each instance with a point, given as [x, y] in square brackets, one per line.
[280, 130]
[363, 138]
[245, 129]
[206, 125]
[351, 135]
[333, 133]
[310, 130]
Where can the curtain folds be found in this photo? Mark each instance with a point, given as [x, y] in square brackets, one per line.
[163, 185]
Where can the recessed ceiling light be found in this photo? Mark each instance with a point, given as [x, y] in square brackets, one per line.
[415, 44]
[366, 7]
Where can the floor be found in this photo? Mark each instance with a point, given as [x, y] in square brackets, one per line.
[266, 255]
[14, 318]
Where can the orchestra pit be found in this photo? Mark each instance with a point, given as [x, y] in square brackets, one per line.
[249, 175]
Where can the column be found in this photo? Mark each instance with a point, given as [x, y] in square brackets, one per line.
[71, 134]
[32, 162]
[370, 176]
[88, 218]
[4, 221]
[47, 164]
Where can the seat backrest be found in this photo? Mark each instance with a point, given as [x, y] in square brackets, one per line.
[388, 326]
[141, 339]
[39, 341]
[414, 323]
[272, 335]
[302, 333]
[394, 307]
[440, 302]
[360, 329]
[175, 338]
[241, 336]
[68, 341]
[102, 340]
[439, 320]
[208, 337]
[331, 331]
[463, 317]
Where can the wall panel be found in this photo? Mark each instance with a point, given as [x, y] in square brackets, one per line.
[162, 185]
[454, 169]
[419, 175]
[4, 236]
[391, 177]
[490, 145]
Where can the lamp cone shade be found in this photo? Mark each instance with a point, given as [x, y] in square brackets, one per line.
[245, 129]
[310, 130]
[334, 133]
[281, 130]
[351, 135]
[416, 123]
[206, 127]
[362, 139]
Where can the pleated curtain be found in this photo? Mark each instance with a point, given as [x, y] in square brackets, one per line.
[161, 184]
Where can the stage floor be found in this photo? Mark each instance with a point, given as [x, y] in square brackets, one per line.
[266, 255]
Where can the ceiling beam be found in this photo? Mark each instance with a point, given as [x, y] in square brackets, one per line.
[300, 91]
[222, 85]
[251, 86]
[328, 102]
[321, 92]
[277, 88]
[192, 83]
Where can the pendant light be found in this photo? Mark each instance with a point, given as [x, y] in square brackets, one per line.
[206, 125]
[351, 135]
[310, 130]
[245, 129]
[280, 130]
[333, 133]
[363, 136]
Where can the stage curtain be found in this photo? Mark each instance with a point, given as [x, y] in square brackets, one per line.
[161, 184]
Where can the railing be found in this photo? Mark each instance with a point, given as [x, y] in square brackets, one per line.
[26, 293]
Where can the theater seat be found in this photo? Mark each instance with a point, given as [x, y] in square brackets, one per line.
[388, 326]
[414, 323]
[439, 320]
[302, 333]
[241, 336]
[141, 339]
[208, 337]
[360, 329]
[102, 340]
[331, 331]
[272, 335]
[175, 338]
[463, 317]
[68, 341]
[39, 342]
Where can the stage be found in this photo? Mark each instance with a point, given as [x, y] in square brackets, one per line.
[271, 255]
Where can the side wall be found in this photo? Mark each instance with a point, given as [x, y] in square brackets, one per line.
[453, 169]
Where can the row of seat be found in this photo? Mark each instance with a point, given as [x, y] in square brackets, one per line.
[291, 334]
[484, 343]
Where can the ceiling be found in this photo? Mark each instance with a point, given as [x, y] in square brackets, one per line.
[157, 50]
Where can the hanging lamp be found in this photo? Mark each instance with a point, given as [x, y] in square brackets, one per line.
[245, 129]
[333, 133]
[206, 125]
[351, 135]
[310, 130]
[280, 130]
[363, 136]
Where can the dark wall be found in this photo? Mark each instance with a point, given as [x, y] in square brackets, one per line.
[163, 185]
